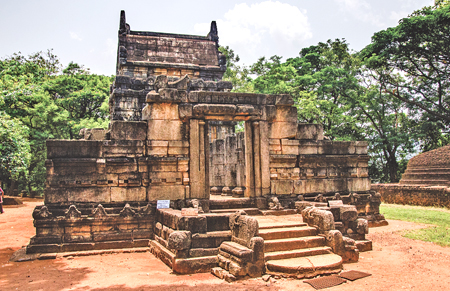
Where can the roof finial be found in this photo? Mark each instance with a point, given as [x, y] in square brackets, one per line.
[213, 34]
[124, 27]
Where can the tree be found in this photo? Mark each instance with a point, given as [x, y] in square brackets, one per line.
[50, 103]
[236, 74]
[14, 149]
[413, 63]
[320, 80]
[388, 125]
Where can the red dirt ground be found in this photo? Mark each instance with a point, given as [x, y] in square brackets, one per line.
[396, 263]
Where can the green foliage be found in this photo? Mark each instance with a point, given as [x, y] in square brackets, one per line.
[51, 104]
[236, 74]
[412, 61]
[439, 218]
[320, 80]
[14, 148]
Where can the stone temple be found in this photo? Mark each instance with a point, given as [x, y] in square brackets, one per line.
[172, 136]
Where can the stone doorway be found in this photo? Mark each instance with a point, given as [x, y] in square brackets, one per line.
[254, 174]
[226, 158]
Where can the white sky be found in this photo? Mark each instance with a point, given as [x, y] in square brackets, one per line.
[85, 32]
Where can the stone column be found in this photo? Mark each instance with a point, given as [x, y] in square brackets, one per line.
[199, 166]
[257, 158]
[249, 171]
[264, 154]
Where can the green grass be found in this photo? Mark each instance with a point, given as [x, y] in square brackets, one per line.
[438, 218]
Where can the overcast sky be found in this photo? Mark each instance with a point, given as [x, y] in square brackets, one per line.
[85, 32]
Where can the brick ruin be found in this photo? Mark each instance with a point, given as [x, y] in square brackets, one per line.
[172, 137]
[425, 182]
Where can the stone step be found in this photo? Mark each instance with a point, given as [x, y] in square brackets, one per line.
[271, 221]
[424, 182]
[287, 232]
[279, 212]
[285, 244]
[232, 203]
[427, 176]
[249, 211]
[297, 253]
[306, 266]
[280, 226]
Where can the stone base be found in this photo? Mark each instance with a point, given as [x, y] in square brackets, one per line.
[181, 265]
[77, 247]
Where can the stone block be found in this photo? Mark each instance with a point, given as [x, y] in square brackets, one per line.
[166, 177]
[165, 95]
[178, 147]
[88, 194]
[120, 165]
[163, 111]
[128, 130]
[337, 148]
[164, 164]
[201, 110]
[358, 184]
[299, 187]
[285, 114]
[128, 194]
[282, 161]
[309, 131]
[308, 147]
[185, 111]
[166, 192]
[123, 148]
[275, 145]
[157, 147]
[361, 147]
[279, 130]
[284, 99]
[165, 130]
[183, 165]
[283, 187]
[194, 224]
[289, 147]
[73, 149]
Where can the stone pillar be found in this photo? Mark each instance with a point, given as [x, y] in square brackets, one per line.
[257, 158]
[199, 166]
[264, 154]
[249, 171]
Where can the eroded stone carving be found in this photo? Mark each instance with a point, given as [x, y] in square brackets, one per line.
[127, 212]
[73, 213]
[100, 212]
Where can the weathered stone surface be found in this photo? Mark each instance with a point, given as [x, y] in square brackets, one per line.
[169, 192]
[161, 111]
[128, 130]
[73, 149]
[307, 131]
[123, 194]
[179, 240]
[320, 218]
[165, 130]
[279, 130]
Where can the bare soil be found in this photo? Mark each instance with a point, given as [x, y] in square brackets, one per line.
[396, 263]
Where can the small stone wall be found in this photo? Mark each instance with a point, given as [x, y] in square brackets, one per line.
[414, 194]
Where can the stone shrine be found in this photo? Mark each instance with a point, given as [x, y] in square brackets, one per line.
[172, 137]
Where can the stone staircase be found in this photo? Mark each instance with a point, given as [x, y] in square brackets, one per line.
[294, 249]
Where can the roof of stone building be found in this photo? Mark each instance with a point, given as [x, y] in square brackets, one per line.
[167, 49]
[435, 158]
